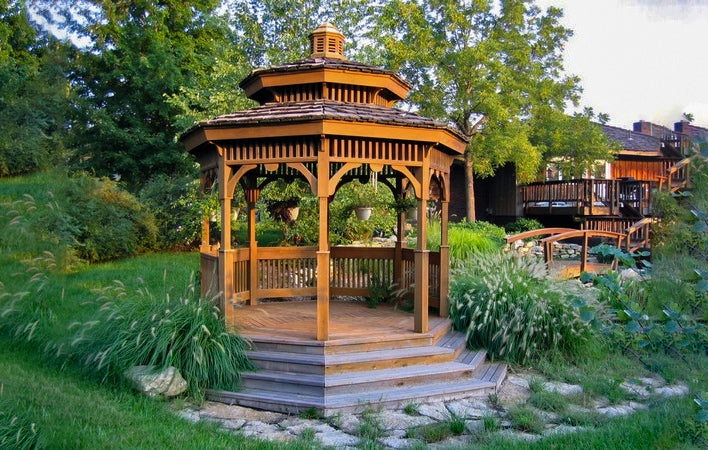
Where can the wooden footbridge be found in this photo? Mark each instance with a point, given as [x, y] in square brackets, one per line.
[636, 237]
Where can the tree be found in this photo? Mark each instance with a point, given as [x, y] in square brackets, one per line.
[33, 93]
[138, 54]
[468, 59]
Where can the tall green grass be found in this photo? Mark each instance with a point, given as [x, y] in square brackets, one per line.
[509, 306]
[466, 239]
[139, 328]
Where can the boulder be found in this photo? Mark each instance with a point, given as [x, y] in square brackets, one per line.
[153, 382]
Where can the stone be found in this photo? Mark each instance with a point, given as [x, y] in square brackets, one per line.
[616, 410]
[474, 425]
[153, 382]
[470, 408]
[349, 423]
[330, 437]
[637, 389]
[563, 388]
[437, 411]
[629, 275]
[266, 431]
[396, 442]
[190, 415]
[222, 411]
[396, 420]
[672, 391]
[563, 429]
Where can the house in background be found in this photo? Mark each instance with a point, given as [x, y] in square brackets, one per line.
[619, 195]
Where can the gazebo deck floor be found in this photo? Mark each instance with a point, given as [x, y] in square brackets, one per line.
[295, 322]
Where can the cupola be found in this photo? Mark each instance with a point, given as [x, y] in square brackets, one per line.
[327, 42]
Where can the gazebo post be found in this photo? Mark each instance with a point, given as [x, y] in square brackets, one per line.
[421, 256]
[400, 226]
[252, 197]
[226, 253]
[444, 258]
[323, 256]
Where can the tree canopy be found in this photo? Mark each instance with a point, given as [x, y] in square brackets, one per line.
[141, 71]
[33, 93]
[495, 70]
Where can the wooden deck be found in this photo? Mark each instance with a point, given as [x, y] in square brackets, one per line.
[295, 321]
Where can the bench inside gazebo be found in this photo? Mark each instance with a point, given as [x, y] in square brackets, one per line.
[328, 121]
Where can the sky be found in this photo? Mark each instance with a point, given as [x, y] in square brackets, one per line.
[639, 59]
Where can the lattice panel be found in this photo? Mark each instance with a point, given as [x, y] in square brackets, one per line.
[273, 150]
[375, 150]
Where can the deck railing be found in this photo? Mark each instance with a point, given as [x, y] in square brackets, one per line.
[353, 269]
[677, 176]
[637, 194]
[584, 196]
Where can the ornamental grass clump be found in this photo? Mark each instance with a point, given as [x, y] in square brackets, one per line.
[509, 306]
[17, 432]
[187, 332]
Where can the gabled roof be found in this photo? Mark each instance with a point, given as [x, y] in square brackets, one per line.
[632, 141]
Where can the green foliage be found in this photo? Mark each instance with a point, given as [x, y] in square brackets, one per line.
[135, 57]
[187, 332]
[508, 306]
[109, 222]
[526, 419]
[467, 239]
[370, 428]
[549, 401]
[490, 424]
[380, 292]
[34, 105]
[177, 206]
[16, 431]
[78, 218]
[411, 409]
[468, 59]
[522, 224]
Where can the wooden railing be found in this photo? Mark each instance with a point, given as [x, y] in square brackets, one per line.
[637, 194]
[354, 268]
[537, 233]
[638, 235]
[613, 224]
[584, 196]
[292, 271]
[585, 235]
[286, 271]
[677, 176]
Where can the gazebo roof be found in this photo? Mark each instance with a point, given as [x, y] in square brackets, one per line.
[320, 63]
[272, 113]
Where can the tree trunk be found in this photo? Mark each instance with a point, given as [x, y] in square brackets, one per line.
[469, 191]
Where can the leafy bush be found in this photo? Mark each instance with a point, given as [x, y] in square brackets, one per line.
[508, 306]
[522, 224]
[187, 332]
[178, 209]
[81, 218]
[111, 223]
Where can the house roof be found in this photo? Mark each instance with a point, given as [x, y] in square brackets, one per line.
[273, 113]
[632, 140]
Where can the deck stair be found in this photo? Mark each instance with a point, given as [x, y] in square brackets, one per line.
[352, 374]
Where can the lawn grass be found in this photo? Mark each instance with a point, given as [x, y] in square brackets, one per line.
[71, 412]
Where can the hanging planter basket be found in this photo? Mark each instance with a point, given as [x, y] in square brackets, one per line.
[363, 212]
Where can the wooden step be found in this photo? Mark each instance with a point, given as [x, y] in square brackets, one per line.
[492, 373]
[357, 381]
[288, 402]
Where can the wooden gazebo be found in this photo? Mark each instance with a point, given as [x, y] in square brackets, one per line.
[328, 121]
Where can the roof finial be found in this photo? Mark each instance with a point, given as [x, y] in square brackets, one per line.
[327, 42]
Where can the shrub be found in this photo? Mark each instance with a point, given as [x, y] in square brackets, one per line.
[177, 206]
[111, 223]
[522, 224]
[507, 305]
[187, 332]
